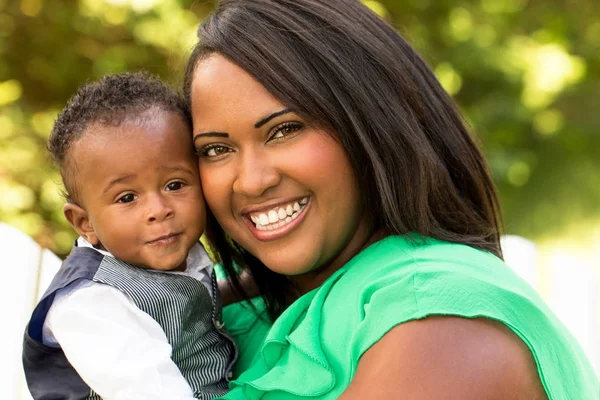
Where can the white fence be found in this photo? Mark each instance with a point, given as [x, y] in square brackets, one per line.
[572, 292]
[573, 295]
[28, 271]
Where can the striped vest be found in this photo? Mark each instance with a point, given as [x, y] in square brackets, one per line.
[180, 304]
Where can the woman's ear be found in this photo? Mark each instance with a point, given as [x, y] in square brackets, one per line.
[80, 221]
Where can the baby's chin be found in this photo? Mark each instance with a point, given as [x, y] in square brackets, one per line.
[160, 260]
[166, 265]
[181, 266]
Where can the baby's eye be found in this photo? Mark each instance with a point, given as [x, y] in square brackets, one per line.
[174, 186]
[128, 198]
[285, 129]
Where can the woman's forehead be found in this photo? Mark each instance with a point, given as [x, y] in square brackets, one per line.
[220, 88]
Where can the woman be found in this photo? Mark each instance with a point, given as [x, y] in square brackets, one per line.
[348, 185]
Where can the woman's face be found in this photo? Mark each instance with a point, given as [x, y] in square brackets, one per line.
[281, 188]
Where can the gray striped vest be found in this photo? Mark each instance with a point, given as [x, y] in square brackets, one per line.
[181, 305]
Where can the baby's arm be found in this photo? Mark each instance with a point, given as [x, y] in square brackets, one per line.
[117, 349]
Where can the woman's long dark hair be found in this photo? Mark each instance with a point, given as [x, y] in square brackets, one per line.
[342, 67]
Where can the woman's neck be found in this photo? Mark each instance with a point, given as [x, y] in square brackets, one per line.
[306, 282]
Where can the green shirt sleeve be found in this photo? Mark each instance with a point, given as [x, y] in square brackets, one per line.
[314, 347]
[457, 280]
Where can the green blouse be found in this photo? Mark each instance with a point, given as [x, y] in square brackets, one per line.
[313, 349]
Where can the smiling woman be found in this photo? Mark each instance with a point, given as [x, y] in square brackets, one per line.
[267, 161]
[343, 179]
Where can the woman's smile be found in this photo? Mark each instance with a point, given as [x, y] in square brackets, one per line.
[274, 222]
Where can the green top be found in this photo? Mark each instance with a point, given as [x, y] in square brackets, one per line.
[313, 348]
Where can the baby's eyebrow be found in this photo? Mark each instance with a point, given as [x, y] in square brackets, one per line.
[117, 180]
[179, 168]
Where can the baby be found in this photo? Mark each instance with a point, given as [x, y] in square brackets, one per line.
[134, 311]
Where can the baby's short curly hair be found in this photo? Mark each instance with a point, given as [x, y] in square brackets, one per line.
[111, 101]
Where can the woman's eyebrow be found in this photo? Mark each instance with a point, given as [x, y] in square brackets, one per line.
[210, 134]
[256, 125]
[271, 116]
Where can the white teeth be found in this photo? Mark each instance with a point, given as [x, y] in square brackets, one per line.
[281, 213]
[273, 217]
[263, 219]
[278, 217]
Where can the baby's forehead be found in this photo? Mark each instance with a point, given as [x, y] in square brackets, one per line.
[151, 128]
[135, 117]
[152, 137]
[110, 128]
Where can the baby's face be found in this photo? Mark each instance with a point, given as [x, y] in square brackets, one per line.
[140, 187]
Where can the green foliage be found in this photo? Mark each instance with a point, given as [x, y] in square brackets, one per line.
[526, 74]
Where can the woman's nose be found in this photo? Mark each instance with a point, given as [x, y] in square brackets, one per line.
[255, 175]
[159, 208]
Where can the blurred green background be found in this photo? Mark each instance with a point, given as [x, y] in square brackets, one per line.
[526, 74]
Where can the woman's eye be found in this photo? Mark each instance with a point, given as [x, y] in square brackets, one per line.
[128, 198]
[174, 186]
[285, 129]
[212, 151]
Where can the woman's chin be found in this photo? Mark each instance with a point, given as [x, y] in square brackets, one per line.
[290, 268]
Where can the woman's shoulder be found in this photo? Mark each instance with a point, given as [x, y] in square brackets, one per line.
[415, 249]
[423, 263]
[431, 357]
[398, 281]
[439, 277]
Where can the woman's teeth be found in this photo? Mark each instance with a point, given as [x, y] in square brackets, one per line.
[278, 216]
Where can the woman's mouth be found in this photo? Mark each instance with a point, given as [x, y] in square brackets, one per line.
[278, 216]
[279, 220]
